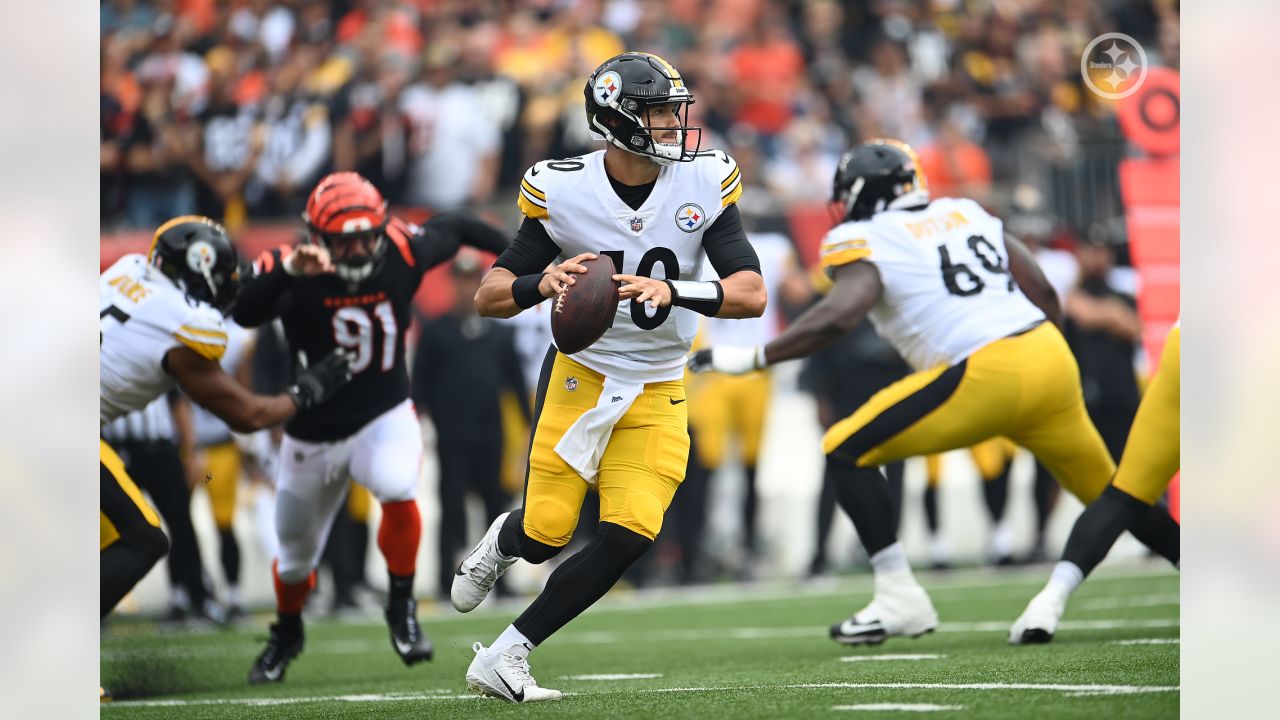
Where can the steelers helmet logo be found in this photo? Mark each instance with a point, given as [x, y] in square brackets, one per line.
[608, 87]
[201, 256]
[690, 217]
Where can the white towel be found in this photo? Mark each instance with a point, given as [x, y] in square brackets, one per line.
[584, 442]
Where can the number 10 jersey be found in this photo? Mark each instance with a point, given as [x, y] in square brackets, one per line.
[577, 205]
[945, 272]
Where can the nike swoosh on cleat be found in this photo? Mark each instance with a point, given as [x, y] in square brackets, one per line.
[272, 674]
[517, 696]
[403, 648]
[677, 402]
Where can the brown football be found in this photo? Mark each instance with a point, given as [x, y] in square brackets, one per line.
[584, 310]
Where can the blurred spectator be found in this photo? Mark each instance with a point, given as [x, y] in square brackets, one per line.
[453, 144]
[766, 70]
[1103, 331]
[228, 146]
[298, 143]
[890, 99]
[462, 366]
[156, 151]
[956, 166]
[802, 170]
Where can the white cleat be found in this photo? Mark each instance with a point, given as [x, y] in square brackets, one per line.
[1039, 621]
[900, 608]
[480, 570]
[505, 675]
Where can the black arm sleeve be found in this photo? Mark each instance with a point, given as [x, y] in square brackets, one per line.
[443, 234]
[531, 252]
[264, 296]
[726, 244]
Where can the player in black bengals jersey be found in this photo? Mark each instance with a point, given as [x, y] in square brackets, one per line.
[351, 287]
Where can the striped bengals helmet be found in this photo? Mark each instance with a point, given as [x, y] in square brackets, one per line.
[347, 216]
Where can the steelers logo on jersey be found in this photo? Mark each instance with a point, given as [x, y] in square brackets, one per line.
[690, 217]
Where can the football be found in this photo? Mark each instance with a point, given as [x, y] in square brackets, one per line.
[585, 309]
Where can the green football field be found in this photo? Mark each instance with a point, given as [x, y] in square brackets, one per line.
[727, 651]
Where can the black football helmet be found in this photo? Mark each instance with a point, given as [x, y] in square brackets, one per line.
[620, 92]
[196, 254]
[878, 175]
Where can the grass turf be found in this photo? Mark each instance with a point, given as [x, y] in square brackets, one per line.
[723, 652]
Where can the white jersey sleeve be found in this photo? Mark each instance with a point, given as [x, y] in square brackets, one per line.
[142, 316]
[945, 271]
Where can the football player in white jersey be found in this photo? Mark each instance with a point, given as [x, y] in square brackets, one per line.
[613, 414]
[970, 311]
[161, 324]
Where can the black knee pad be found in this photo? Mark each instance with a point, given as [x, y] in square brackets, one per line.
[627, 545]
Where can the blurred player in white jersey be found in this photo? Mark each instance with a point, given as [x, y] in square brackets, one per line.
[967, 307]
[613, 414]
[727, 411]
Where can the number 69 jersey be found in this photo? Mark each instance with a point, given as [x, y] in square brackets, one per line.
[577, 205]
[945, 271]
[142, 316]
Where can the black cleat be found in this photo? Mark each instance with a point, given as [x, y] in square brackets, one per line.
[281, 648]
[407, 638]
[1036, 636]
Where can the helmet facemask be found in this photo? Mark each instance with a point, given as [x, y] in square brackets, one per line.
[355, 255]
[644, 138]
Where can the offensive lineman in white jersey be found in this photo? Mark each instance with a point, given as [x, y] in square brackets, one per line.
[615, 413]
[969, 309]
[161, 324]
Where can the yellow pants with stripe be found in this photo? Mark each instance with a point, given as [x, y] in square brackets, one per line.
[222, 481]
[990, 457]
[1024, 387]
[641, 468]
[120, 502]
[726, 406]
[1153, 452]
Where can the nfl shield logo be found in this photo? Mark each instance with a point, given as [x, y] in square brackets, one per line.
[637, 224]
[571, 384]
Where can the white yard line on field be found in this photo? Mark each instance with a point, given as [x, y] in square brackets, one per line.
[898, 707]
[613, 676]
[1112, 603]
[885, 658]
[1147, 641]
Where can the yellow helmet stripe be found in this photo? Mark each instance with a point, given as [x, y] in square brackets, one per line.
[921, 180]
[676, 80]
[170, 224]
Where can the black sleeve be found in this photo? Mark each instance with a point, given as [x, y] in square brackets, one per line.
[265, 295]
[531, 252]
[442, 235]
[422, 373]
[726, 244]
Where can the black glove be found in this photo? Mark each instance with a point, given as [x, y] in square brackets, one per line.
[316, 384]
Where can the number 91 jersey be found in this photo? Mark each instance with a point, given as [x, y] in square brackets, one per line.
[577, 205]
[945, 271]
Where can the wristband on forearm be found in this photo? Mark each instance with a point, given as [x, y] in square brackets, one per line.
[701, 297]
[525, 291]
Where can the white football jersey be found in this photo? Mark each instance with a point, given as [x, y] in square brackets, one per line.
[945, 271]
[142, 316]
[777, 258]
[662, 239]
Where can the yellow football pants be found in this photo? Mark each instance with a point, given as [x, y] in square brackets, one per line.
[120, 502]
[725, 406]
[990, 457]
[1153, 452]
[641, 468]
[1025, 387]
[222, 480]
